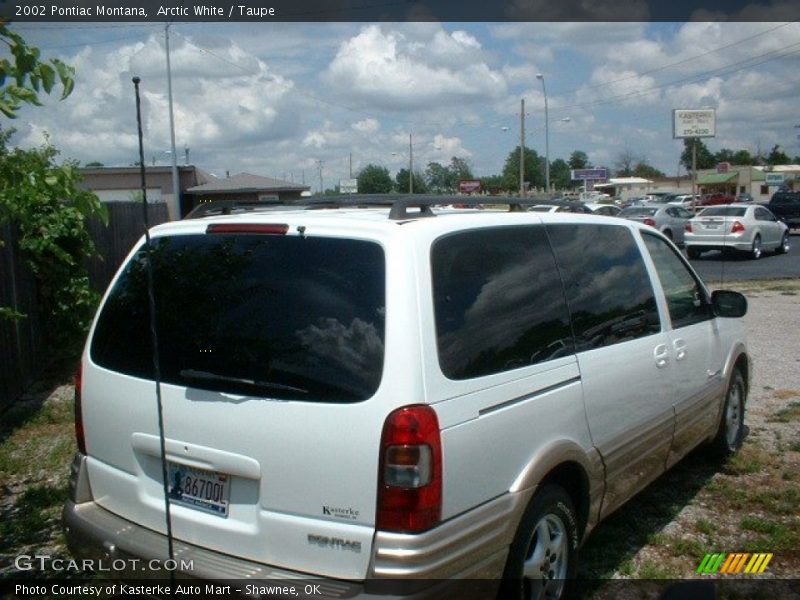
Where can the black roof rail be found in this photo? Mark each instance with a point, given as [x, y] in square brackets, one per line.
[400, 203]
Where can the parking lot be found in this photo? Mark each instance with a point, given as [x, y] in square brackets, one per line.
[714, 267]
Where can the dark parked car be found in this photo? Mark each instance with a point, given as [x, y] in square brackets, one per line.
[786, 206]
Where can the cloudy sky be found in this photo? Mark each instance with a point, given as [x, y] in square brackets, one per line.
[275, 99]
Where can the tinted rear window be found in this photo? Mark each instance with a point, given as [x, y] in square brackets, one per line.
[723, 211]
[608, 289]
[304, 317]
[499, 301]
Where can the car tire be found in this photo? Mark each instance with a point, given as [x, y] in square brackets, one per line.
[784, 247]
[755, 251]
[542, 560]
[730, 434]
[692, 252]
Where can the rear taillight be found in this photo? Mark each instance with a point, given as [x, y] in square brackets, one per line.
[737, 227]
[410, 472]
[688, 227]
[649, 221]
[80, 439]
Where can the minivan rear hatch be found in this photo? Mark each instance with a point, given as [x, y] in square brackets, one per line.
[270, 345]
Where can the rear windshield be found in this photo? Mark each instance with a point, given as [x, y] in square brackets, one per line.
[261, 315]
[638, 211]
[724, 211]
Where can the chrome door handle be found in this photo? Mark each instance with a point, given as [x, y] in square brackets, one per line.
[661, 354]
[680, 349]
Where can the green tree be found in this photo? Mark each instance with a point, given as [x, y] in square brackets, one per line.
[43, 202]
[626, 161]
[777, 156]
[533, 173]
[401, 182]
[559, 174]
[374, 179]
[643, 169]
[742, 157]
[579, 160]
[724, 155]
[438, 178]
[459, 170]
[23, 79]
[705, 160]
[492, 184]
[41, 198]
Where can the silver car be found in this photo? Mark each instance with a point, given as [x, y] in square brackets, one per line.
[668, 219]
[736, 227]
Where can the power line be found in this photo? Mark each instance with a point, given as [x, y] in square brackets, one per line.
[680, 62]
[719, 71]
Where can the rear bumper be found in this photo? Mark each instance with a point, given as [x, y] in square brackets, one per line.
[472, 546]
[708, 242]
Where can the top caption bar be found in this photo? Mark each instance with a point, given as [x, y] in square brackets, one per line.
[399, 11]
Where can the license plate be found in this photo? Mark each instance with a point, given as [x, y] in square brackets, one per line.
[198, 488]
[712, 226]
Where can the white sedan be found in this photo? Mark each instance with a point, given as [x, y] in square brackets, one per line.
[736, 227]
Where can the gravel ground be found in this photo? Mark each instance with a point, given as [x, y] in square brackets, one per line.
[773, 330]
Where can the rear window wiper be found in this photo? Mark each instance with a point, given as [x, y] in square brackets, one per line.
[208, 376]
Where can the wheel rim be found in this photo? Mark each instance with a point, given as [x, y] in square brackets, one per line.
[545, 567]
[757, 247]
[733, 416]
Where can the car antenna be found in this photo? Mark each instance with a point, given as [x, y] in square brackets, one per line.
[154, 336]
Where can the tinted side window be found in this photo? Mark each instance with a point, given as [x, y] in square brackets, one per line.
[498, 301]
[607, 285]
[685, 297]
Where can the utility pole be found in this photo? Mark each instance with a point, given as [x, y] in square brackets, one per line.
[319, 164]
[175, 211]
[351, 165]
[522, 148]
[694, 173]
[410, 166]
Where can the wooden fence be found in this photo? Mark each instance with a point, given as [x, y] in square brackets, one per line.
[22, 349]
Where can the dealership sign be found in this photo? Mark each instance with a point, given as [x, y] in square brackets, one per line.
[693, 123]
[469, 186]
[774, 179]
[588, 174]
[348, 186]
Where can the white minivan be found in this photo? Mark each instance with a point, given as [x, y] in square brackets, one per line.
[383, 390]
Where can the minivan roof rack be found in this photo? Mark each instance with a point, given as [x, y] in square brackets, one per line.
[400, 203]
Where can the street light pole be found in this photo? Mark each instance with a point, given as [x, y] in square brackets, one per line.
[175, 213]
[540, 77]
[522, 148]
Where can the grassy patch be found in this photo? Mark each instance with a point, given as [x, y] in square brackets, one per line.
[775, 536]
[788, 414]
[687, 548]
[657, 570]
[33, 517]
[750, 459]
[705, 526]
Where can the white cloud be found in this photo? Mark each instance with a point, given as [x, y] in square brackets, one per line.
[368, 125]
[390, 70]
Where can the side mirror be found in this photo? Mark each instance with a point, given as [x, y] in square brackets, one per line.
[728, 304]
